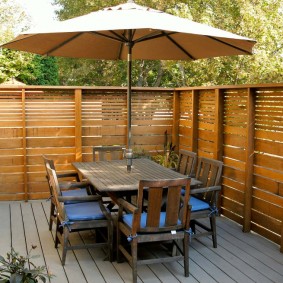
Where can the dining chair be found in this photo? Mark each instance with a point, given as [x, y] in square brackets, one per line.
[81, 214]
[186, 164]
[69, 184]
[204, 198]
[111, 152]
[135, 226]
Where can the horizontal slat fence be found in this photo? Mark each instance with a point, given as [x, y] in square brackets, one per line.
[243, 127]
[240, 125]
[65, 123]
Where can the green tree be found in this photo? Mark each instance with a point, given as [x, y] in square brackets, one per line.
[40, 70]
[26, 67]
[258, 19]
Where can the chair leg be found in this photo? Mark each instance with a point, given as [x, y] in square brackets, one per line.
[110, 241]
[52, 215]
[186, 247]
[134, 251]
[118, 243]
[65, 244]
[193, 226]
[57, 232]
[212, 220]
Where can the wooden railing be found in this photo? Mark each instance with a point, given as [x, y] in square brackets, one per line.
[241, 125]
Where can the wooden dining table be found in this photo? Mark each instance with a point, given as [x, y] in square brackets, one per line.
[112, 177]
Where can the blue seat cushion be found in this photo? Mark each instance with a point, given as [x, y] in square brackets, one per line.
[198, 204]
[128, 219]
[84, 211]
[74, 193]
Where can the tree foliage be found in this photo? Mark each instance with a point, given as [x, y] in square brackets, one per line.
[261, 20]
[26, 67]
[258, 19]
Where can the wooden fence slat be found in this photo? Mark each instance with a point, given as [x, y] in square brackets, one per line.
[240, 125]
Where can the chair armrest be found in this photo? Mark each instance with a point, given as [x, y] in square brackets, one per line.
[129, 207]
[73, 185]
[79, 198]
[70, 174]
[205, 190]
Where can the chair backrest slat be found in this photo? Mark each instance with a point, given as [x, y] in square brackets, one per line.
[164, 203]
[209, 171]
[173, 205]
[187, 162]
[155, 196]
[55, 191]
[102, 153]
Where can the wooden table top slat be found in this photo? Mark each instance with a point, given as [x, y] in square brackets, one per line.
[111, 176]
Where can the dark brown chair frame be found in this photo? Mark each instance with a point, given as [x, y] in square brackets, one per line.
[65, 227]
[209, 172]
[111, 152]
[187, 163]
[176, 225]
[64, 184]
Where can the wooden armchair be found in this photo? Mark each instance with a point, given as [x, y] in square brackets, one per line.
[81, 213]
[187, 163]
[204, 199]
[101, 153]
[155, 225]
[70, 185]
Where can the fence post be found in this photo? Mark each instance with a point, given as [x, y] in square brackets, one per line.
[176, 119]
[195, 107]
[281, 242]
[78, 124]
[249, 160]
[218, 129]
[24, 144]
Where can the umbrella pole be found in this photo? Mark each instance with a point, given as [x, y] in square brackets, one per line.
[129, 95]
[129, 152]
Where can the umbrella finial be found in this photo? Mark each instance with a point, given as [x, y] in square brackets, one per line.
[131, 1]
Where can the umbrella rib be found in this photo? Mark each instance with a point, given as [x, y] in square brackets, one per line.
[231, 45]
[117, 36]
[63, 43]
[178, 45]
[164, 34]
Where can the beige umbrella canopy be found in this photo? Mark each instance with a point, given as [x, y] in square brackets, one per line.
[130, 31]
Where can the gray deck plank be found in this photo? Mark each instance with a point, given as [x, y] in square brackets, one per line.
[265, 250]
[209, 267]
[177, 269]
[240, 257]
[51, 256]
[17, 229]
[106, 268]
[254, 257]
[73, 270]
[218, 258]
[232, 255]
[86, 261]
[5, 229]
[32, 237]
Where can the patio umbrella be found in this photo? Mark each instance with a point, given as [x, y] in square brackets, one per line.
[130, 31]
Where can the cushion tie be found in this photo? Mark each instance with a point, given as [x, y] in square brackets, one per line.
[66, 223]
[190, 232]
[214, 211]
[51, 196]
[131, 237]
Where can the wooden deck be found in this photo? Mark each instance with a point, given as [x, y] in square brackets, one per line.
[240, 257]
